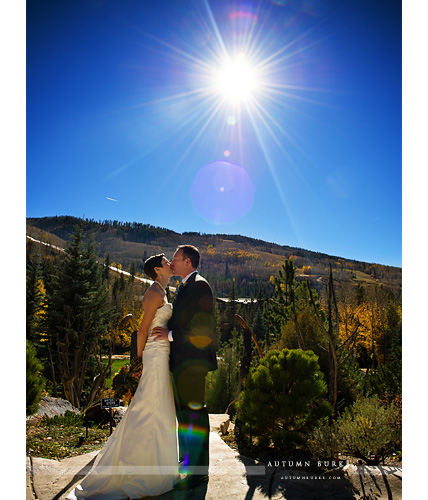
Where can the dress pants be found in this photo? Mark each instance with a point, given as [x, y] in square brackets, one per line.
[192, 417]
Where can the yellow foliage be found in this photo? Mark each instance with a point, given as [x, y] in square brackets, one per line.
[372, 322]
[210, 250]
[242, 254]
[127, 398]
[41, 312]
[122, 337]
[366, 424]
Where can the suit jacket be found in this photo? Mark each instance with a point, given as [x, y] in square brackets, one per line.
[193, 327]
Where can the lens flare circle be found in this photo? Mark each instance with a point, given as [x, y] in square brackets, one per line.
[222, 192]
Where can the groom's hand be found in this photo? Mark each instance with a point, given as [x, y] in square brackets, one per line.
[159, 333]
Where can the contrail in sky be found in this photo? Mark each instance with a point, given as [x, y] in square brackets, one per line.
[111, 199]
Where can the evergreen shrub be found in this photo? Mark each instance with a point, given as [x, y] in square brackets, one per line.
[69, 419]
[34, 380]
[283, 399]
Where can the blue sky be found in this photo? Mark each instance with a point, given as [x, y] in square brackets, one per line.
[135, 112]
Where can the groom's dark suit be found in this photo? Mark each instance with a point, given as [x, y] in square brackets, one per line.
[192, 356]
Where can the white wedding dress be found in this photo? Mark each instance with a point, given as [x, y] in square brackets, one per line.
[140, 458]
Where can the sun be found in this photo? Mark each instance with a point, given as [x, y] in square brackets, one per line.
[236, 80]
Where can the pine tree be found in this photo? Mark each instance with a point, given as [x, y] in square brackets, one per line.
[34, 380]
[79, 316]
[35, 298]
[259, 326]
[337, 353]
[232, 308]
[132, 272]
[107, 264]
[283, 306]
[37, 321]
[282, 399]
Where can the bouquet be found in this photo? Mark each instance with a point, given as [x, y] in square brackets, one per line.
[125, 381]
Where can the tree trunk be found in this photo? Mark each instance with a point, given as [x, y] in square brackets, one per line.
[300, 340]
[332, 340]
[246, 360]
[51, 364]
[333, 378]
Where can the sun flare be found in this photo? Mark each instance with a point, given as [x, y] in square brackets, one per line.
[236, 80]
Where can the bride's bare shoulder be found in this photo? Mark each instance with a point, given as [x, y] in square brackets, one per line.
[153, 296]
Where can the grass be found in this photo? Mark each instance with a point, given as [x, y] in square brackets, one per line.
[364, 278]
[115, 367]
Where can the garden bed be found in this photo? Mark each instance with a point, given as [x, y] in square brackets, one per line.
[62, 437]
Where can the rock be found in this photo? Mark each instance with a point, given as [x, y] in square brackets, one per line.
[382, 482]
[98, 415]
[118, 413]
[224, 426]
[52, 407]
[218, 419]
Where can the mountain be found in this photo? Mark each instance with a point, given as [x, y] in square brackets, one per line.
[248, 262]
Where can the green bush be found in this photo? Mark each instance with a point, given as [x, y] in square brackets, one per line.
[369, 431]
[34, 381]
[365, 430]
[385, 381]
[322, 442]
[283, 399]
[69, 419]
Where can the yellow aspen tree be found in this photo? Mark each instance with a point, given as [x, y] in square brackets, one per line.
[371, 317]
[40, 314]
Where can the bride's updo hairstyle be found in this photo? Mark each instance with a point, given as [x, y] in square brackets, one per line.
[151, 263]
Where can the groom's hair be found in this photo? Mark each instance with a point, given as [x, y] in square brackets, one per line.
[151, 263]
[192, 253]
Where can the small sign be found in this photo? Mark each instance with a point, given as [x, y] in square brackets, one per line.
[109, 403]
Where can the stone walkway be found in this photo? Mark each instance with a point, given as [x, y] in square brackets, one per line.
[232, 477]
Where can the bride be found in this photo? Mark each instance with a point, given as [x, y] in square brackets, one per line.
[140, 457]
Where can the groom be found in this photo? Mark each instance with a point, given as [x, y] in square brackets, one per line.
[192, 356]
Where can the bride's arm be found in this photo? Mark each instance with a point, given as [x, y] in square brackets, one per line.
[151, 302]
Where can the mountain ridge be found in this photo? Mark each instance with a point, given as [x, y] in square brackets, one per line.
[36, 221]
[226, 259]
